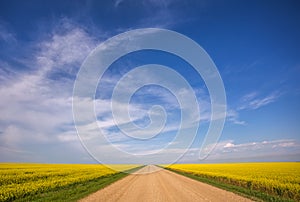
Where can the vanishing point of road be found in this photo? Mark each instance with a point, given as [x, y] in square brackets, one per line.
[160, 186]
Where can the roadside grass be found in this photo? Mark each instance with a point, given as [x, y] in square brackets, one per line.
[249, 193]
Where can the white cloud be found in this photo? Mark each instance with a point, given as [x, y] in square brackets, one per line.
[36, 109]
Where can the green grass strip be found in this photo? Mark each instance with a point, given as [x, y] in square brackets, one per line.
[252, 194]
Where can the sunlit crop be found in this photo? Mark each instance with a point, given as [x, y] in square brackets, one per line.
[21, 180]
[280, 179]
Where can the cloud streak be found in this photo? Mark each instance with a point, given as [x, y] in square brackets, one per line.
[252, 100]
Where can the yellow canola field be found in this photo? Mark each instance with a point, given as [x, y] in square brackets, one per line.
[280, 179]
[19, 180]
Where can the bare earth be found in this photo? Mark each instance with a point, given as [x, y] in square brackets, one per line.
[158, 186]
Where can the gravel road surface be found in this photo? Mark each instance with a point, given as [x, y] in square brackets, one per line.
[162, 185]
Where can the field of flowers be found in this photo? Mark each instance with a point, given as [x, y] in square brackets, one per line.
[278, 179]
[21, 180]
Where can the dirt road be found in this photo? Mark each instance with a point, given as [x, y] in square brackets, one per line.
[158, 186]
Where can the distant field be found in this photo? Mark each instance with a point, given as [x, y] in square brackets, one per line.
[44, 182]
[263, 180]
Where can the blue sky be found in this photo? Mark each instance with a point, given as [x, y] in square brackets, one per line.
[255, 45]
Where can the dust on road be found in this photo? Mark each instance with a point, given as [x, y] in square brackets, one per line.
[160, 186]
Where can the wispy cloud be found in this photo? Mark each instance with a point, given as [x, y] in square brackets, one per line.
[117, 2]
[233, 116]
[253, 101]
[6, 35]
[66, 49]
[163, 14]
